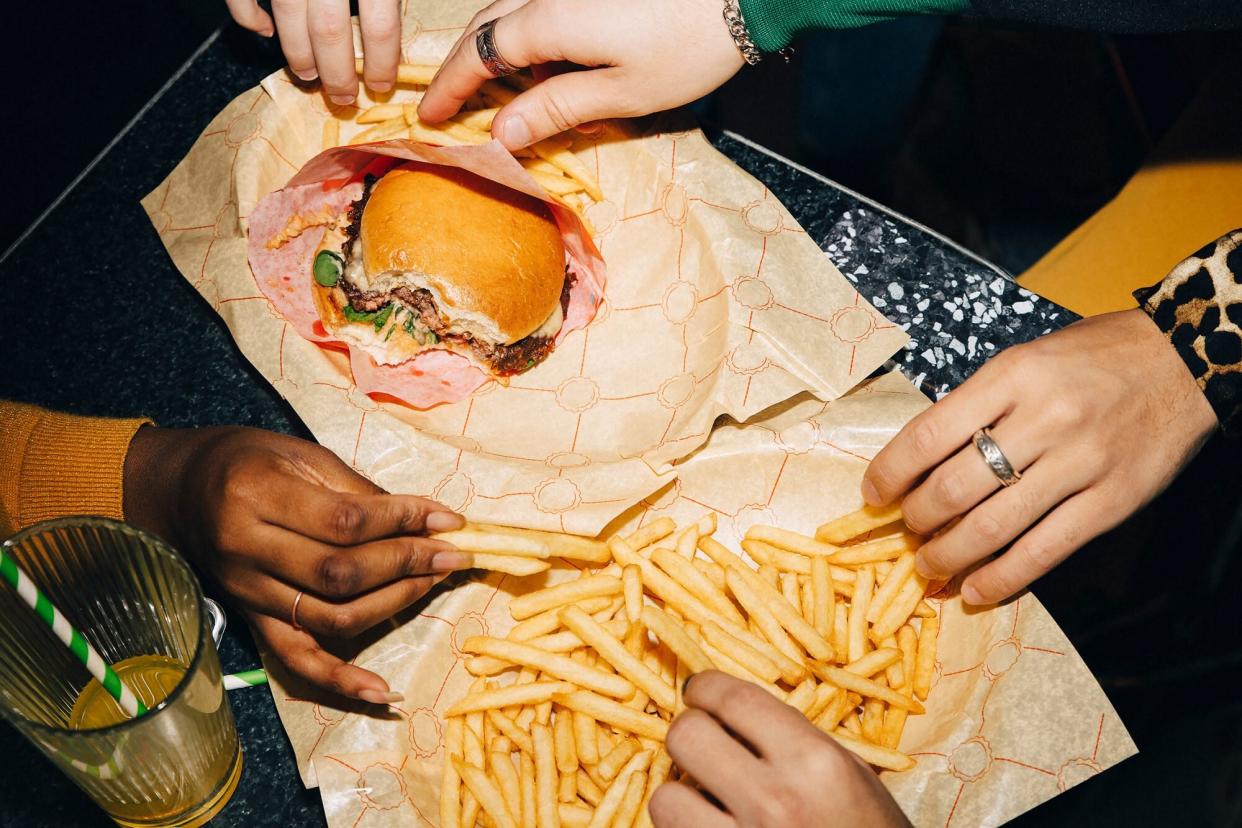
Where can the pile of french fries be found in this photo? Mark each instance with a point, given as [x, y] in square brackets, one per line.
[566, 721]
[550, 162]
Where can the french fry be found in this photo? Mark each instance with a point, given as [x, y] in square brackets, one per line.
[608, 807]
[661, 585]
[884, 549]
[894, 724]
[497, 93]
[447, 134]
[840, 633]
[408, 73]
[557, 185]
[874, 661]
[562, 545]
[901, 608]
[681, 570]
[924, 610]
[613, 651]
[511, 731]
[706, 524]
[865, 687]
[570, 592]
[791, 593]
[834, 713]
[331, 133]
[808, 601]
[486, 792]
[546, 622]
[858, 613]
[848, 527]
[770, 575]
[517, 694]
[711, 570]
[790, 541]
[609, 766]
[618, 715]
[893, 673]
[632, 588]
[632, 801]
[380, 132]
[802, 696]
[823, 598]
[588, 788]
[533, 165]
[657, 774]
[573, 816]
[567, 787]
[873, 721]
[657, 530]
[908, 641]
[563, 743]
[553, 664]
[501, 765]
[687, 542]
[546, 814]
[379, 113]
[887, 591]
[785, 614]
[526, 776]
[852, 723]
[509, 564]
[551, 152]
[761, 614]
[825, 696]
[450, 783]
[881, 757]
[755, 662]
[480, 119]
[925, 661]
[727, 664]
[585, 742]
[675, 638]
[475, 540]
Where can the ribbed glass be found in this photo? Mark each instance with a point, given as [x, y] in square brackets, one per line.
[130, 595]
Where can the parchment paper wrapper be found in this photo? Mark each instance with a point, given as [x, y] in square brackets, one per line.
[1013, 718]
[716, 302]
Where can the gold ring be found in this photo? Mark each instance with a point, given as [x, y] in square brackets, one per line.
[293, 613]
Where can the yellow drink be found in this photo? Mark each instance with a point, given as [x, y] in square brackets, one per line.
[151, 678]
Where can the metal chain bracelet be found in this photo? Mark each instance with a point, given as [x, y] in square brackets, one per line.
[741, 35]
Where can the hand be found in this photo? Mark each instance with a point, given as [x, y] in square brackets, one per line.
[269, 516]
[1098, 417]
[765, 764]
[318, 41]
[643, 56]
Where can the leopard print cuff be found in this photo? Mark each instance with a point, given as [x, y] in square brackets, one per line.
[1199, 307]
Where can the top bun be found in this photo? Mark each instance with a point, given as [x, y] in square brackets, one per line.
[490, 255]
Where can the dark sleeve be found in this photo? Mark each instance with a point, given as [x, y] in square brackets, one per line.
[1199, 307]
[1122, 16]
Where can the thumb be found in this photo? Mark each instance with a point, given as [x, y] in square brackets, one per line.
[560, 103]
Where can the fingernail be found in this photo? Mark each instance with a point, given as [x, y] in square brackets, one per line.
[970, 594]
[451, 561]
[514, 133]
[380, 697]
[445, 521]
[307, 75]
[921, 567]
[267, 32]
[379, 86]
[342, 100]
[685, 685]
[870, 494]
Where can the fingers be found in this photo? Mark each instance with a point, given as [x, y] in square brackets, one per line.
[332, 619]
[767, 725]
[248, 15]
[295, 37]
[1057, 536]
[349, 519]
[463, 73]
[380, 23]
[338, 573]
[332, 42]
[560, 103]
[702, 748]
[996, 521]
[932, 436]
[304, 657]
[675, 805]
[965, 479]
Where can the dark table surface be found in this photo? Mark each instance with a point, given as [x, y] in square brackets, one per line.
[111, 328]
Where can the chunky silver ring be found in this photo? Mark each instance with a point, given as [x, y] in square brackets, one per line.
[485, 42]
[995, 458]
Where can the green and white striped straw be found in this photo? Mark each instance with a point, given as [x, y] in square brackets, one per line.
[71, 638]
[248, 678]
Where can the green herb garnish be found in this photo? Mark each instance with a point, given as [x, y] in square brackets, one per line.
[530, 362]
[409, 325]
[381, 317]
[357, 315]
[390, 330]
[432, 338]
[327, 268]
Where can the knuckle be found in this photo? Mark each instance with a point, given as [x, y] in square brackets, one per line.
[329, 28]
[346, 521]
[1063, 412]
[777, 808]
[987, 529]
[662, 806]
[343, 623]
[282, 6]
[685, 729]
[339, 575]
[949, 488]
[559, 111]
[1036, 557]
[924, 435]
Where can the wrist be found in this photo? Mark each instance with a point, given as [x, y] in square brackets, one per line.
[154, 470]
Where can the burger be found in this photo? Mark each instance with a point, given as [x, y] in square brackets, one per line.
[436, 257]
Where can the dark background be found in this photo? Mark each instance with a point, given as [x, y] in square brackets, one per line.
[1006, 140]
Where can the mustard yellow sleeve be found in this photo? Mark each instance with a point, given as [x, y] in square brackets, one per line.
[52, 465]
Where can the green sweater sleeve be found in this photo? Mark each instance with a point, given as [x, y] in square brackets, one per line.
[773, 23]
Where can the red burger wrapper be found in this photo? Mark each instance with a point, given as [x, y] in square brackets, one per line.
[330, 182]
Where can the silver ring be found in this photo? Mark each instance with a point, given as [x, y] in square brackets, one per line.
[485, 42]
[995, 458]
